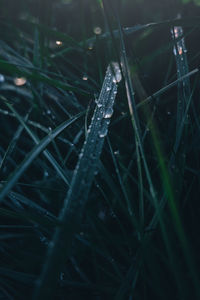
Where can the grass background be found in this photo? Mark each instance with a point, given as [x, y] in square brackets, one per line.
[108, 210]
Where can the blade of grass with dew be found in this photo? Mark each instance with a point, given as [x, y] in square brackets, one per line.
[184, 91]
[33, 154]
[82, 179]
[135, 122]
[170, 194]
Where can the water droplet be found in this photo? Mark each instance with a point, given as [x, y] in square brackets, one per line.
[97, 30]
[5, 112]
[48, 112]
[99, 105]
[90, 46]
[117, 72]
[62, 275]
[116, 152]
[108, 89]
[2, 78]
[50, 129]
[180, 50]
[169, 112]
[96, 172]
[85, 77]
[46, 174]
[19, 81]
[59, 43]
[103, 132]
[108, 113]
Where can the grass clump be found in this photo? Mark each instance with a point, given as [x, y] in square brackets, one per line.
[99, 151]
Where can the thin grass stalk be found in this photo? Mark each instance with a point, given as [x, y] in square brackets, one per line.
[133, 112]
[13, 143]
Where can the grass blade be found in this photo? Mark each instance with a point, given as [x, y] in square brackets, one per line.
[79, 189]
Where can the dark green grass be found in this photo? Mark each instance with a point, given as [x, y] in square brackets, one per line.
[84, 218]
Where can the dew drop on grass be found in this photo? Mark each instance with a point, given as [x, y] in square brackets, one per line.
[85, 77]
[62, 275]
[96, 172]
[2, 78]
[99, 105]
[46, 174]
[103, 132]
[108, 113]
[97, 30]
[19, 81]
[59, 43]
[90, 46]
[116, 152]
[108, 89]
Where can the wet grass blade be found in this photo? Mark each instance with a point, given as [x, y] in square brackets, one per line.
[83, 176]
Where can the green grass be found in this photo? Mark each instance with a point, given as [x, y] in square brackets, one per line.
[99, 161]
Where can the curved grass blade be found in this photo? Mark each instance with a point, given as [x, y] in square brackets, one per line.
[13, 143]
[32, 155]
[48, 155]
[83, 176]
[186, 22]
[167, 87]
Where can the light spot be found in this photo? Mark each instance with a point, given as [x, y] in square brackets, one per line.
[90, 46]
[85, 77]
[2, 78]
[59, 43]
[97, 30]
[180, 51]
[19, 81]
